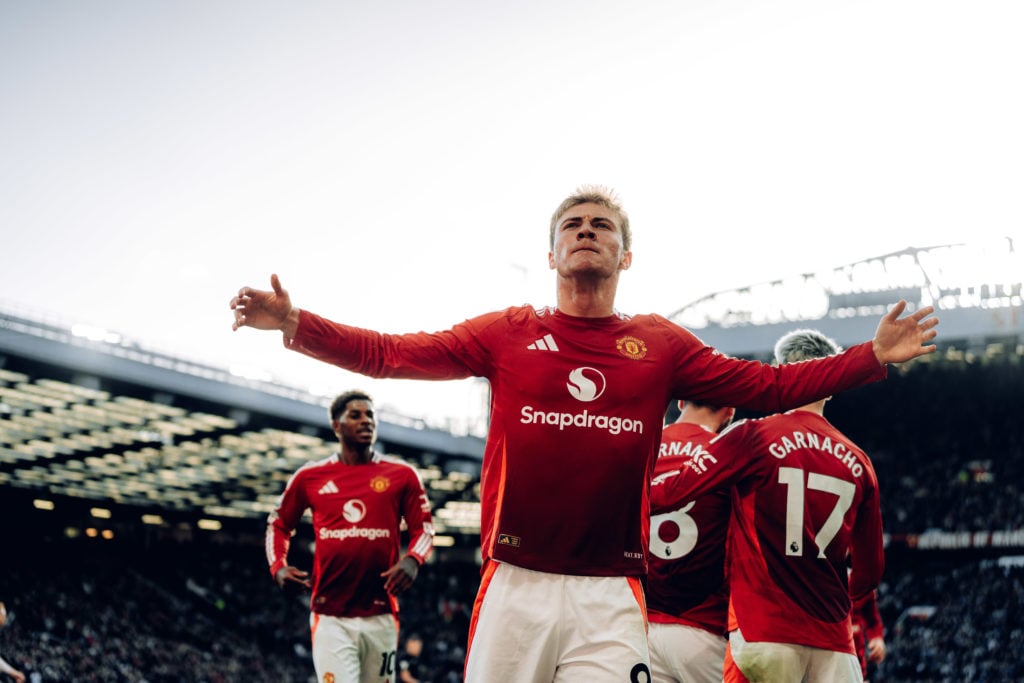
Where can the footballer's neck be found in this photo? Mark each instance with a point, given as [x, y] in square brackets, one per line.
[356, 456]
[583, 297]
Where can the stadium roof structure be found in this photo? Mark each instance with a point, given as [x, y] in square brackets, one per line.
[976, 289]
[114, 358]
[104, 429]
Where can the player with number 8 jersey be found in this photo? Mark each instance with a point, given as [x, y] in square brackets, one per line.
[687, 591]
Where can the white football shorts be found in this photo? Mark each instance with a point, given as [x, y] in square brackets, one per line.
[362, 649]
[749, 662]
[536, 627]
[685, 654]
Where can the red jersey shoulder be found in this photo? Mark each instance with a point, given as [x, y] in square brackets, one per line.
[381, 475]
[796, 422]
[684, 430]
[789, 434]
[394, 470]
[313, 468]
[755, 428]
[634, 333]
[683, 439]
[516, 316]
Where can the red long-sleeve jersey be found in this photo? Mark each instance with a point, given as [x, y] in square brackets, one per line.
[576, 416]
[686, 564]
[357, 512]
[805, 499]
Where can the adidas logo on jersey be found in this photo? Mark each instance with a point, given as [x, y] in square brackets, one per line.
[329, 487]
[546, 343]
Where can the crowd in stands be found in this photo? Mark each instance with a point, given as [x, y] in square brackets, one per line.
[93, 611]
[213, 615]
[953, 621]
[947, 443]
[948, 446]
[103, 614]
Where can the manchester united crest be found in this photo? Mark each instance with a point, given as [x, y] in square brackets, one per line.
[631, 347]
[380, 484]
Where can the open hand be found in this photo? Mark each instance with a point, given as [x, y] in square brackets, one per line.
[901, 339]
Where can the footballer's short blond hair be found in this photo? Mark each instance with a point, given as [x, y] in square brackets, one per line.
[594, 194]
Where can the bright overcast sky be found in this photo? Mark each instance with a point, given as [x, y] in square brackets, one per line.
[397, 162]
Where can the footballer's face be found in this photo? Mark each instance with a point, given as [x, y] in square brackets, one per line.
[588, 241]
[356, 427]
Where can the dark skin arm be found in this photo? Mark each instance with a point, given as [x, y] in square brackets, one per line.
[289, 578]
[399, 578]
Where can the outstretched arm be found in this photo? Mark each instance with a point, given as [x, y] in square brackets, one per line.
[265, 310]
[902, 339]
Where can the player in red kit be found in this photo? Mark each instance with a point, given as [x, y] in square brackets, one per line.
[687, 593]
[358, 499]
[805, 500]
[578, 393]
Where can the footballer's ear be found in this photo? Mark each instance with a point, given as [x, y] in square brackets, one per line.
[626, 261]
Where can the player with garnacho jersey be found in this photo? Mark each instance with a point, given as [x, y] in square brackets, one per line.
[805, 501]
[578, 393]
